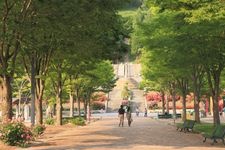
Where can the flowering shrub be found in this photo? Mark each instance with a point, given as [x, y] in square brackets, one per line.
[153, 96]
[78, 121]
[38, 130]
[15, 134]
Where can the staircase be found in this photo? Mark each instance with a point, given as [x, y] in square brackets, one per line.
[127, 74]
[138, 100]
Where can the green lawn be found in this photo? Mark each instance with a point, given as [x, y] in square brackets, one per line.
[203, 127]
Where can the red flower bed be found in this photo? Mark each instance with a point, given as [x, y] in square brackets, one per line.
[153, 96]
[177, 97]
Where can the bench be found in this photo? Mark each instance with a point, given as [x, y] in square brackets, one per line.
[186, 126]
[166, 116]
[217, 133]
[178, 115]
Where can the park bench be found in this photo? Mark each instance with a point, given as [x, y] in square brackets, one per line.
[186, 126]
[217, 133]
[178, 115]
[166, 116]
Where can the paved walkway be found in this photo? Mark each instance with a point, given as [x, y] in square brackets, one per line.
[145, 134]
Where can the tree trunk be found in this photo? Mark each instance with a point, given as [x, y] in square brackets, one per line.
[54, 110]
[167, 105]
[33, 85]
[183, 85]
[40, 64]
[6, 98]
[174, 105]
[59, 97]
[78, 107]
[78, 102]
[216, 115]
[58, 110]
[196, 105]
[40, 85]
[163, 102]
[196, 101]
[85, 109]
[196, 108]
[89, 110]
[184, 113]
[214, 82]
[38, 101]
[198, 75]
[173, 94]
[71, 104]
[39, 111]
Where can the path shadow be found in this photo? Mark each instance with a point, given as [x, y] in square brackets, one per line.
[151, 134]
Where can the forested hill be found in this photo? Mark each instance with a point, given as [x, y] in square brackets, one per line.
[128, 13]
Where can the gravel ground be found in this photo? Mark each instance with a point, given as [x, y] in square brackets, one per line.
[144, 134]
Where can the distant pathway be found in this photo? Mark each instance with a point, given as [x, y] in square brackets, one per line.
[145, 134]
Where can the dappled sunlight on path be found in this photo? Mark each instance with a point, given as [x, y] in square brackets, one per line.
[144, 134]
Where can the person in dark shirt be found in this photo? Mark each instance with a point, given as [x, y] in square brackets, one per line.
[121, 112]
[145, 112]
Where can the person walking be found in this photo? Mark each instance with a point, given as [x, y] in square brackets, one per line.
[145, 113]
[121, 112]
[129, 116]
[137, 111]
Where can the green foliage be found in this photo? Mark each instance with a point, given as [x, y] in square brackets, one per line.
[177, 39]
[21, 87]
[15, 134]
[50, 121]
[79, 121]
[125, 93]
[129, 4]
[38, 130]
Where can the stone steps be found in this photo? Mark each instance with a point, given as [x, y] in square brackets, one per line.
[138, 99]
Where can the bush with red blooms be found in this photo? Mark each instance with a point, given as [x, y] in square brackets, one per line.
[153, 96]
[15, 134]
[100, 97]
[177, 97]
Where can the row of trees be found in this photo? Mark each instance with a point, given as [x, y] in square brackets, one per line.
[182, 49]
[59, 47]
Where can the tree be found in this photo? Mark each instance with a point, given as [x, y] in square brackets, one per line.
[181, 30]
[14, 17]
[93, 32]
[211, 54]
